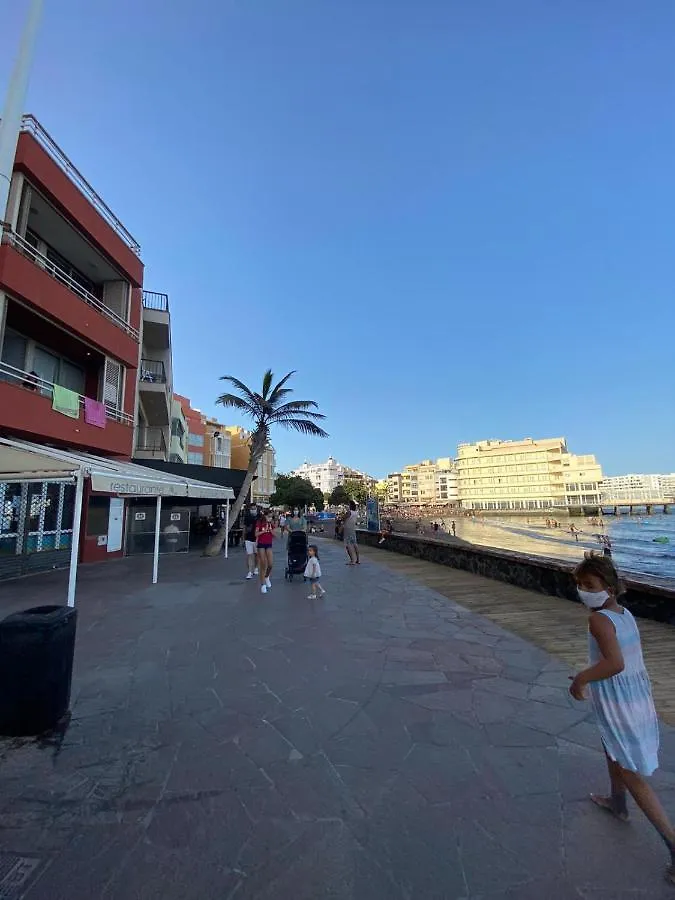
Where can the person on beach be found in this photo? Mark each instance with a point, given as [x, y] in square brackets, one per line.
[264, 533]
[454, 529]
[313, 572]
[250, 519]
[621, 695]
[349, 532]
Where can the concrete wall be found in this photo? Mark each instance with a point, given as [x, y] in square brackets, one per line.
[547, 576]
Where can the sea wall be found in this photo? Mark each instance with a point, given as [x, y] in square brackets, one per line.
[536, 573]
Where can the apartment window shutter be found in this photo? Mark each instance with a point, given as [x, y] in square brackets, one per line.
[112, 383]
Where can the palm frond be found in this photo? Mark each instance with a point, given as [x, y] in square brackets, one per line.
[236, 402]
[276, 396]
[243, 389]
[267, 383]
[280, 385]
[304, 426]
[295, 414]
[298, 406]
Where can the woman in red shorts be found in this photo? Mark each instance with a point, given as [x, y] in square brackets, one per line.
[264, 535]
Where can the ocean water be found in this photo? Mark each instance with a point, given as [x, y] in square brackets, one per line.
[633, 547]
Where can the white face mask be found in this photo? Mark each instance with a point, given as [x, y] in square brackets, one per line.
[593, 599]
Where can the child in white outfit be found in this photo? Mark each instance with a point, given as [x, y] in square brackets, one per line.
[313, 572]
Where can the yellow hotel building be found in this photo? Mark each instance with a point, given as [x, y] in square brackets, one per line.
[526, 475]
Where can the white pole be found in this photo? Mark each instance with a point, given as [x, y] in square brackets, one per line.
[15, 98]
[227, 528]
[155, 559]
[75, 540]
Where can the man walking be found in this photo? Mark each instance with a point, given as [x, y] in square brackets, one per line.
[250, 518]
[349, 531]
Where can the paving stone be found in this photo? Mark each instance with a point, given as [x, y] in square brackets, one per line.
[548, 718]
[384, 744]
[419, 677]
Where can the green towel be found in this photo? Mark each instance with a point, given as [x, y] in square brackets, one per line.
[66, 402]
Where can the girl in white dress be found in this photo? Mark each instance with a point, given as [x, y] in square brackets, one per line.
[621, 694]
[313, 572]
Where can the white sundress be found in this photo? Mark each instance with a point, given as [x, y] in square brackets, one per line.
[623, 704]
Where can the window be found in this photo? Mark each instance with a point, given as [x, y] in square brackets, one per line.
[177, 429]
[13, 351]
[97, 516]
[196, 459]
[63, 264]
[197, 440]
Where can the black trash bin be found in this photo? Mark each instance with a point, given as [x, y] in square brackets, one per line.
[36, 667]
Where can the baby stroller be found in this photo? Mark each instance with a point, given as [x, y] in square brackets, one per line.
[297, 554]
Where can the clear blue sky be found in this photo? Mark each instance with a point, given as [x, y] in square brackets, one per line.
[455, 219]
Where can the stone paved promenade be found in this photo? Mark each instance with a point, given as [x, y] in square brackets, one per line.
[382, 743]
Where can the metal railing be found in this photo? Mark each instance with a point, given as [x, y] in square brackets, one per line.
[151, 440]
[28, 250]
[31, 125]
[155, 300]
[152, 371]
[30, 381]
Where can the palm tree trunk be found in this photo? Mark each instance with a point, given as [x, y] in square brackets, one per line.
[215, 545]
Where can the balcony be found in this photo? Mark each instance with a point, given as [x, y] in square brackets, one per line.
[152, 371]
[31, 277]
[26, 404]
[154, 392]
[31, 125]
[151, 444]
[28, 250]
[156, 321]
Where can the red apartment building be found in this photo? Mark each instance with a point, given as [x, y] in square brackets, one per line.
[196, 440]
[71, 311]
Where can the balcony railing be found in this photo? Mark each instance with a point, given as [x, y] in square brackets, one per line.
[15, 240]
[152, 371]
[32, 126]
[151, 440]
[154, 300]
[31, 382]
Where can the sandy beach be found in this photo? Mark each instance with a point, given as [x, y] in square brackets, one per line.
[632, 539]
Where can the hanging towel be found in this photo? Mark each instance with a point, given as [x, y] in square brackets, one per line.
[66, 402]
[94, 412]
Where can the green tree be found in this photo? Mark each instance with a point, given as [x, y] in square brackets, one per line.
[357, 490]
[291, 490]
[268, 408]
[339, 496]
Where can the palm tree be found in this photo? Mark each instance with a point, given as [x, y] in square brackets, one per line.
[269, 407]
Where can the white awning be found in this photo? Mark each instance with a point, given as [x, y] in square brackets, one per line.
[26, 461]
[25, 465]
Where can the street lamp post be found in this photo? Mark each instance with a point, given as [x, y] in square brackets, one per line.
[10, 126]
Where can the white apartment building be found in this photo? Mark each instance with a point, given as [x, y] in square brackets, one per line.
[328, 475]
[526, 475]
[427, 483]
[638, 487]
[447, 482]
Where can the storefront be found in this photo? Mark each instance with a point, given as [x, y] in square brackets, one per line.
[36, 526]
[58, 508]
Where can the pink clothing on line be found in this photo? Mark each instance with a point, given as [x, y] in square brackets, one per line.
[94, 412]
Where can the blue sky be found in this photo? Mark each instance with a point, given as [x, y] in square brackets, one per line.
[454, 219]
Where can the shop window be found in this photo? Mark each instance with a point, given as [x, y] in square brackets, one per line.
[97, 516]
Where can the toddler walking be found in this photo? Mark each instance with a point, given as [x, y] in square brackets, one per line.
[313, 572]
[621, 695]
